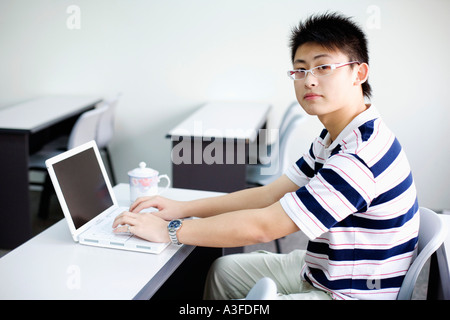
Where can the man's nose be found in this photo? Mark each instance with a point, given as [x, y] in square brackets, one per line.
[310, 80]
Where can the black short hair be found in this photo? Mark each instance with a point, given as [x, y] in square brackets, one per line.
[333, 31]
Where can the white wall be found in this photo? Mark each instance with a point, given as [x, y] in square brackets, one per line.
[169, 57]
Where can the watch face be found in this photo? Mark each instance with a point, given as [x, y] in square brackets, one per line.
[174, 224]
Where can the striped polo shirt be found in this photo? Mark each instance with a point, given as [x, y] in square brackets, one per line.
[357, 204]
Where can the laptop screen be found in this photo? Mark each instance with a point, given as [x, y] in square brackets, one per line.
[83, 186]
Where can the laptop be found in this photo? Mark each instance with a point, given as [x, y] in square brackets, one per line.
[88, 201]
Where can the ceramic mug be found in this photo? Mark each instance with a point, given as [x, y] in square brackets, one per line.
[144, 182]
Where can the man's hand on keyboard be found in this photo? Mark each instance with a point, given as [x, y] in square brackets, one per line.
[145, 225]
[167, 209]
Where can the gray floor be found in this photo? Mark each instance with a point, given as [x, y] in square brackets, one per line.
[294, 241]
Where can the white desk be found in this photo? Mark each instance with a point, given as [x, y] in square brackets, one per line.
[224, 120]
[210, 149]
[53, 266]
[24, 128]
[36, 114]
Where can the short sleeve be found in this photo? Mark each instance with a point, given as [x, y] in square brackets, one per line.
[343, 186]
[303, 169]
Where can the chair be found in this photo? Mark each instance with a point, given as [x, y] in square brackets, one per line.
[432, 233]
[263, 174]
[264, 289]
[105, 131]
[84, 130]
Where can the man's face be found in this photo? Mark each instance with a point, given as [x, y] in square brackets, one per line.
[322, 96]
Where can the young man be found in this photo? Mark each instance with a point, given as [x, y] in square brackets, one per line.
[352, 193]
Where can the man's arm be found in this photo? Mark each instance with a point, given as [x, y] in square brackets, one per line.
[238, 228]
[248, 217]
[232, 229]
[252, 198]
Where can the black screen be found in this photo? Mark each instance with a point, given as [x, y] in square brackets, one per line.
[83, 186]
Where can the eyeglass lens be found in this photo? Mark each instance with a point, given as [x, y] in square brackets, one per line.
[317, 71]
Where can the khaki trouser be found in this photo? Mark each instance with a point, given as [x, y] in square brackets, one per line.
[232, 276]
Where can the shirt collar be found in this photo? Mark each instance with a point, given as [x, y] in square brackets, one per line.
[369, 114]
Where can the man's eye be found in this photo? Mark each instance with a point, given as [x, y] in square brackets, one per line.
[324, 68]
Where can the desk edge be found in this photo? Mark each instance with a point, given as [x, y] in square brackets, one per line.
[164, 273]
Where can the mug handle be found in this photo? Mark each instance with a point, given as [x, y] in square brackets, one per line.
[164, 176]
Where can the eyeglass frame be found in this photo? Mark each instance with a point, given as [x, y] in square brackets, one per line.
[333, 66]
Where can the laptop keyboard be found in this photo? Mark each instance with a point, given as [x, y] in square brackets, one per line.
[105, 234]
[104, 231]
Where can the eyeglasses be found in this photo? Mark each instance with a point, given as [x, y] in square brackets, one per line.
[319, 71]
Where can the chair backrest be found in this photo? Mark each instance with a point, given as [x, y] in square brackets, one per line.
[291, 119]
[284, 139]
[85, 128]
[279, 151]
[293, 109]
[432, 233]
[264, 289]
[105, 129]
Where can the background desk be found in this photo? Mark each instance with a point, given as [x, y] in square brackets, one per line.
[24, 128]
[233, 127]
[53, 266]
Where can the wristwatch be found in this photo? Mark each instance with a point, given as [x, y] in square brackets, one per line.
[173, 227]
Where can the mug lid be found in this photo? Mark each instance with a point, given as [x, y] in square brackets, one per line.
[142, 171]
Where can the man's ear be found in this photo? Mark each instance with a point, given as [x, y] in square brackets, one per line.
[362, 74]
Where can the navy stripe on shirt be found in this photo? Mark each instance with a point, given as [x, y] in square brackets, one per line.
[367, 129]
[387, 158]
[354, 221]
[360, 254]
[342, 186]
[394, 192]
[313, 206]
[305, 168]
[358, 284]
